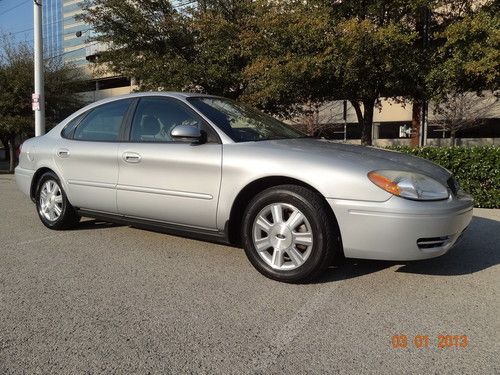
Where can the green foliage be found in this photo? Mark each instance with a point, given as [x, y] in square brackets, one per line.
[372, 60]
[303, 52]
[16, 87]
[477, 169]
[169, 49]
[469, 57]
[286, 46]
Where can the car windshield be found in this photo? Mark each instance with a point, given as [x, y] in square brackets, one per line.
[243, 123]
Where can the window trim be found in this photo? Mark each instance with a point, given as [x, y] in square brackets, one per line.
[127, 128]
[87, 113]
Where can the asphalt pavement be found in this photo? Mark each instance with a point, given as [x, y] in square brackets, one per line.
[107, 299]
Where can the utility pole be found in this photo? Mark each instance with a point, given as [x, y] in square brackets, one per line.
[38, 99]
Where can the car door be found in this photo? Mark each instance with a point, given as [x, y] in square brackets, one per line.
[167, 180]
[88, 156]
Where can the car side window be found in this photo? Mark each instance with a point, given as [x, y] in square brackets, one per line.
[155, 118]
[102, 123]
[69, 129]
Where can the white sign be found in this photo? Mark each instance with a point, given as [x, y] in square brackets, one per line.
[35, 102]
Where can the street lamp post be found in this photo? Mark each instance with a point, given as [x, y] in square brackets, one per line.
[38, 98]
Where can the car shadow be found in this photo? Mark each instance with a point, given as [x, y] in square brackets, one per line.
[478, 250]
[352, 268]
[95, 224]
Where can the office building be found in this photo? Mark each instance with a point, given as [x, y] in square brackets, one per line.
[52, 28]
[82, 53]
[74, 47]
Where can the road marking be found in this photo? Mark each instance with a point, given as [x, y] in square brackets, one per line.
[291, 329]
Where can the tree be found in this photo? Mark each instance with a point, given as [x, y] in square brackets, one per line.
[16, 86]
[463, 110]
[15, 93]
[372, 61]
[172, 48]
[321, 50]
[466, 63]
[468, 57]
[364, 50]
[316, 118]
[285, 44]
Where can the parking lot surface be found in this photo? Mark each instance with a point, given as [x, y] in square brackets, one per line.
[105, 298]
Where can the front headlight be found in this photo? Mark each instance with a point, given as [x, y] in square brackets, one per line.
[409, 185]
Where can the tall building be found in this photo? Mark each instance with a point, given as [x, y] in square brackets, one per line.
[52, 28]
[78, 51]
[74, 47]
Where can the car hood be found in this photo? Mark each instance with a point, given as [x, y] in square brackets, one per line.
[368, 158]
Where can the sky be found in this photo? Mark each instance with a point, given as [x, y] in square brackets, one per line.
[15, 17]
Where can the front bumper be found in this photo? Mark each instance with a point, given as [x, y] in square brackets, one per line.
[401, 229]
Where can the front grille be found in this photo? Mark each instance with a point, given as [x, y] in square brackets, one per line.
[453, 185]
[431, 242]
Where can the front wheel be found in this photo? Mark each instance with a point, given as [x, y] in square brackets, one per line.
[52, 205]
[289, 234]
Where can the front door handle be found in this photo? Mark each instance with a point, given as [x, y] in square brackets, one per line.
[63, 153]
[131, 157]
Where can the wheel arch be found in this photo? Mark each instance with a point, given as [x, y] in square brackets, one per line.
[36, 177]
[253, 188]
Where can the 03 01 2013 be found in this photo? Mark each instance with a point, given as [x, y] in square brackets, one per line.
[425, 341]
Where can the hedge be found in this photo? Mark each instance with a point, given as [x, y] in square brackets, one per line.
[477, 169]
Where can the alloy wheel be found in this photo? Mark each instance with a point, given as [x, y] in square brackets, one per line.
[282, 236]
[51, 201]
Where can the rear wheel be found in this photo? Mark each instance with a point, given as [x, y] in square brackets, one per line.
[52, 205]
[289, 234]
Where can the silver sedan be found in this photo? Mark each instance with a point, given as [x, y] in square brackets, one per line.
[211, 168]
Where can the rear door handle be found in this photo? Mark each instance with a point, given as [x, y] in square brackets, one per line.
[63, 153]
[131, 157]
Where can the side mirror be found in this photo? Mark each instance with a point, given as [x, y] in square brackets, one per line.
[186, 133]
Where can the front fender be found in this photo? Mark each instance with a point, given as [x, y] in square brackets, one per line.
[346, 181]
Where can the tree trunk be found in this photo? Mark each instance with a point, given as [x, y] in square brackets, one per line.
[453, 137]
[416, 115]
[12, 155]
[365, 119]
[357, 109]
[366, 131]
[359, 114]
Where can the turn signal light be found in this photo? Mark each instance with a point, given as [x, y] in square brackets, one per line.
[384, 183]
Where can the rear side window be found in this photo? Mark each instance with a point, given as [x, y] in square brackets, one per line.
[102, 123]
[69, 129]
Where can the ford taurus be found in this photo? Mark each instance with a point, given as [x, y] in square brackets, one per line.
[208, 167]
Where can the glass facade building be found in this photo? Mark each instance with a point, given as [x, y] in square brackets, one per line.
[52, 28]
[74, 47]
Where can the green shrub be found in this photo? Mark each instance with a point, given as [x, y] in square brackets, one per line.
[477, 169]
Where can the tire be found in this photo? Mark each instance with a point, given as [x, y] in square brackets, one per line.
[52, 205]
[300, 246]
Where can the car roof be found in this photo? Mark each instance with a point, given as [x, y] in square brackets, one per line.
[170, 94]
